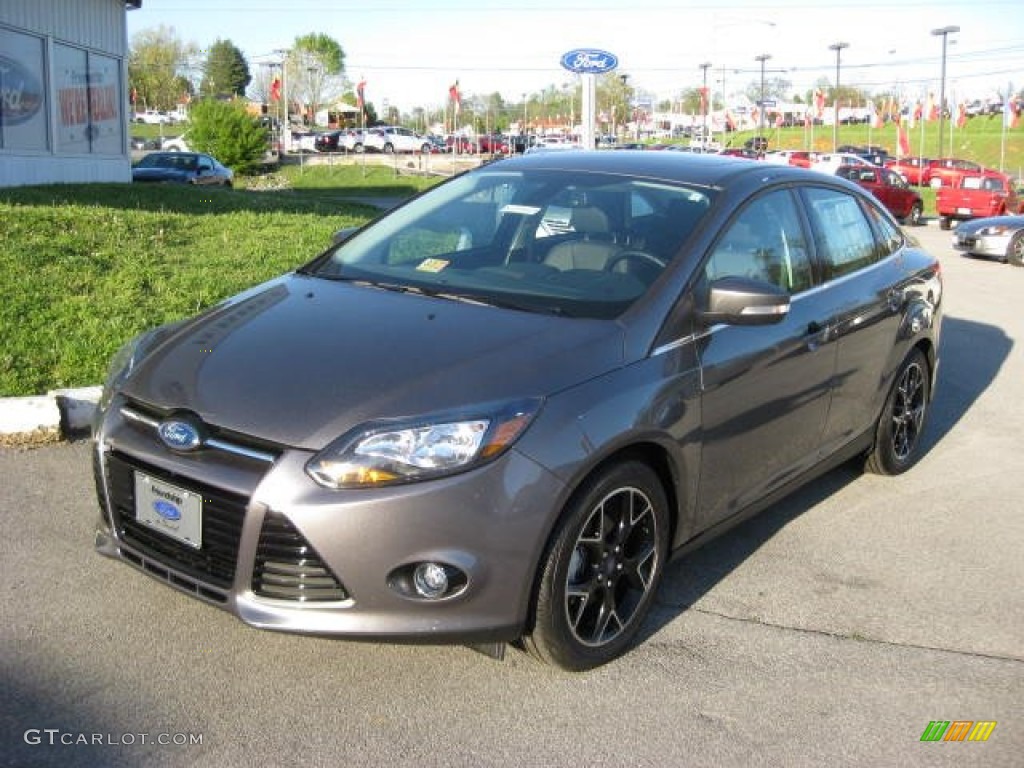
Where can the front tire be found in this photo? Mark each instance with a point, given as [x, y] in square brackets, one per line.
[1015, 251]
[602, 569]
[916, 215]
[898, 431]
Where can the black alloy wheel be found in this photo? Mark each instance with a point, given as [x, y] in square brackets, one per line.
[601, 571]
[1015, 252]
[898, 432]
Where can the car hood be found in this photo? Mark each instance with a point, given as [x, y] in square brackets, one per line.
[159, 174]
[300, 361]
[972, 226]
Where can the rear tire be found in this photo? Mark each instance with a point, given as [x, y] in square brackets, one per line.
[1015, 252]
[945, 222]
[601, 570]
[900, 426]
[916, 216]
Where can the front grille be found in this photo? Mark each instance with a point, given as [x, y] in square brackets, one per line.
[288, 568]
[223, 515]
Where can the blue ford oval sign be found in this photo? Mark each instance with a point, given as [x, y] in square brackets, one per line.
[166, 510]
[589, 61]
[21, 94]
[180, 435]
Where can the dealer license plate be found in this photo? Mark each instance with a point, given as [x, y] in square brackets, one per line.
[169, 510]
[964, 211]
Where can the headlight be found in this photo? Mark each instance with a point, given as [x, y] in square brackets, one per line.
[385, 454]
[995, 229]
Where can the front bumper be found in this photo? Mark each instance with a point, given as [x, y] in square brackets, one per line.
[280, 552]
[982, 245]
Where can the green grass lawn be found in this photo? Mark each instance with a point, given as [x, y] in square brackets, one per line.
[85, 267]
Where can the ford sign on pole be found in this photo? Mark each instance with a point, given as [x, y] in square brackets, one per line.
[588, 63]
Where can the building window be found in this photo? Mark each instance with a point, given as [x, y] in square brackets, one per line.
[89, 110]
[23, 124]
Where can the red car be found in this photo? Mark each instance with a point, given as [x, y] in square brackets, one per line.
[977, 195]
[890, 188]
[910, 168]
[946, 171]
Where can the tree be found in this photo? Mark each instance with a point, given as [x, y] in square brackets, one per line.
[226, 130]
[157, 67]
[226, 72]
[774, 88]
[316, 65]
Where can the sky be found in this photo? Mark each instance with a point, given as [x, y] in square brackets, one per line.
[410, 51]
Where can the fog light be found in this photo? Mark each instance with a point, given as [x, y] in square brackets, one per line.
[430, 580]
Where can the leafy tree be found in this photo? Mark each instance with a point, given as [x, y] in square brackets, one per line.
[316, 65]
[225, 72]
[226, 130]
[774, 88]
[157, 63]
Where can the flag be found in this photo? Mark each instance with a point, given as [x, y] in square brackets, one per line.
[916, 114]
[135, 95]
[778, 120]
[902, 138]
[729, 121]
[275, 89]
[361, 93]
[876, 117]
[455, 96]
[819, 103]
[1010, 113]
[932, 111]
[961, 115]
[703, 99]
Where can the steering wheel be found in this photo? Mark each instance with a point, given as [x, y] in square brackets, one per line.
[634, 255]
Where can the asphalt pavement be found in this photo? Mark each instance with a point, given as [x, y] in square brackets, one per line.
[828, 631]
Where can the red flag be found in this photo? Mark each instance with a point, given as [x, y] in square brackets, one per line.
[778, 120]
[729, 121]
[361, 93]
[932, 112]
[275, 89]
[819, 103]
[903, 139]
[703, 99]
[961, 117]
[135, 95]
[1011, 114]
[455, 96]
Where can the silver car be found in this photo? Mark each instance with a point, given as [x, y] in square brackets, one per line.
[998, 237]
[495, 413]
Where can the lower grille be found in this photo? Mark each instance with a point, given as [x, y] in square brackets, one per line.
[288, 568]
[223, 515]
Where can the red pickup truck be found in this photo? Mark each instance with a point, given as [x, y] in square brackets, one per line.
[976, 195]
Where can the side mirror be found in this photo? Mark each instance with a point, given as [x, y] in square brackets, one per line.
[744, 301]
[343, 234]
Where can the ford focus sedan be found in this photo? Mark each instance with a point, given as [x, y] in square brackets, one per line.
[496, 413]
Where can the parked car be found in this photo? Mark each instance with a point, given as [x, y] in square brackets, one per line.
[946, 171]
[493, 144]
[389, 139]
[796, 157]
[997, 237]
[830, 162]
[977, 195]
[743, 152]
[143, 143]
[911, 168]
[174, 143]
[181, 168]
[330, 141]
[154, 117]
[569, 367]
[888, 186]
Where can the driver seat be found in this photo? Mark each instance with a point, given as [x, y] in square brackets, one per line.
[592, 248]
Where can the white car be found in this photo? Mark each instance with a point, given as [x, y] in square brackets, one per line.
[391, 138]
[830, 162]
[154, 117]
[175, 144]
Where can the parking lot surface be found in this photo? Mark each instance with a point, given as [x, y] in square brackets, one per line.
[830, 630]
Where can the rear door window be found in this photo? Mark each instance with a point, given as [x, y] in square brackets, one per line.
[843, 238]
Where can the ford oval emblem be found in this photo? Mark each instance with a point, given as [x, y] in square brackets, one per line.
[166, 510]
[21, 93]
[589, 61]
[179, 435]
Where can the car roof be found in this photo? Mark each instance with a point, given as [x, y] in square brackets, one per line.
[710, 170]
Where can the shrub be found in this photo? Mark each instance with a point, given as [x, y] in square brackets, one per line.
[226, 130]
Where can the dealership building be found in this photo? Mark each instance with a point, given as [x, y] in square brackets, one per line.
[63, 91]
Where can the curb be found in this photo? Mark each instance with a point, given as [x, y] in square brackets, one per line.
[57, 414]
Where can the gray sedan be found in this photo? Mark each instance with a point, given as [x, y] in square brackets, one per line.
[998, 237]
[494, 413]
[182, 168]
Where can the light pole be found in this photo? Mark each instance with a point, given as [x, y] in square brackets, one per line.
[704, 101]
[944, 33]
[838, 48]
[760, 111]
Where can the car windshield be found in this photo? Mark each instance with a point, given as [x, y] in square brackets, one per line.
[578, 244]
